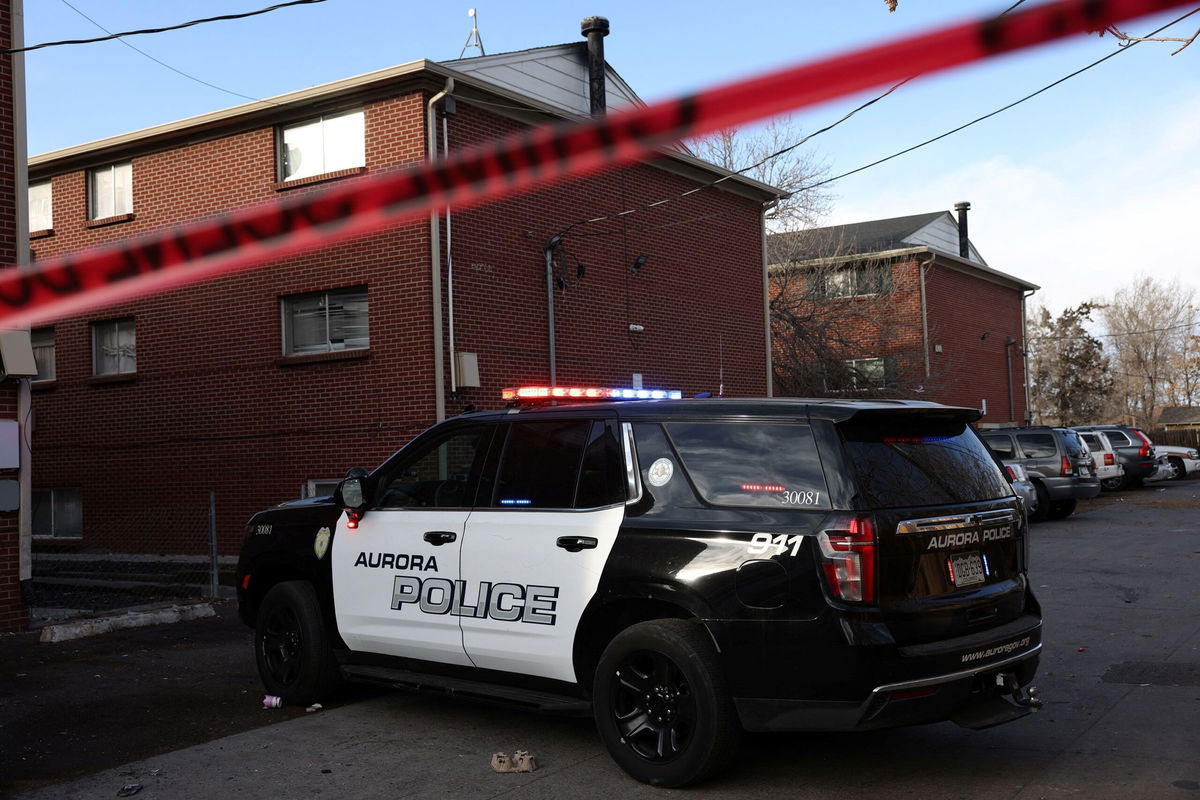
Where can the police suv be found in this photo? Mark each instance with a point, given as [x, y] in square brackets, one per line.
[682, 570]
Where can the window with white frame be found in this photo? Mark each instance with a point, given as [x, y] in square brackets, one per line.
[861, 374]
[324, 144]
[323, 322]
[320, 487]
[852, 281]
[57, 513]
[114, 347]
[110, 190]
[42, 340]
[41, 206]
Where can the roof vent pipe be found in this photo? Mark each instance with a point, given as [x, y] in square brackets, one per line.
[595, 29]
[964, 244]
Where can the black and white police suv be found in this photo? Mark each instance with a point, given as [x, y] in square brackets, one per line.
[683, 570]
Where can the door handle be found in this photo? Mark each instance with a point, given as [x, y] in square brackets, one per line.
[573, 544]
[439, 538]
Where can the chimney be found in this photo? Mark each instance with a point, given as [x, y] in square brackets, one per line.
[595, 29]
[964, 246]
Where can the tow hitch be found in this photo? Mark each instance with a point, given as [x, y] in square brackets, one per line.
[1011, 701]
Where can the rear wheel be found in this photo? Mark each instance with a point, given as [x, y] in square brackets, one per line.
[291, 645]
[1043, 503]
[662, 707]
[1112, 484]
[1063, 509]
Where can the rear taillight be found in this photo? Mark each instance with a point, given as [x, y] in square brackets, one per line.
[1012, 473]
[848, 559]
[1109, 459]
[1067, 469]
[1144, 450]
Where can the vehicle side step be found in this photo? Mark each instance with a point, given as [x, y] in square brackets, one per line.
[544, 702]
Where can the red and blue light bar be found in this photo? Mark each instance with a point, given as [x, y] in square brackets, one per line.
[588, 393]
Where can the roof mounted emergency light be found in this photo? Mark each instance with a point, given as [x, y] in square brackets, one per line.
[588, 393]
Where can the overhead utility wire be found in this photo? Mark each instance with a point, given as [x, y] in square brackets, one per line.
[916, 146]
[221, 18]
[1110, 335]
[755, 165]
[163, 63]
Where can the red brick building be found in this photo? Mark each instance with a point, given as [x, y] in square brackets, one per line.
[904, 307]
[269, 384]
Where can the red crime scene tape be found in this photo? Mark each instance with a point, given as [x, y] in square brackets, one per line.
[248, 237]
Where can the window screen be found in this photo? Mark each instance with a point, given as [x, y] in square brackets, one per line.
[541, 464]
[752, 464]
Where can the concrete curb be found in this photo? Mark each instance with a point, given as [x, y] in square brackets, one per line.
[78, 629]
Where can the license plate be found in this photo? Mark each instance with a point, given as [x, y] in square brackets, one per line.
[965, 569]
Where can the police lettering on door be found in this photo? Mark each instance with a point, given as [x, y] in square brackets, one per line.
[505, 602]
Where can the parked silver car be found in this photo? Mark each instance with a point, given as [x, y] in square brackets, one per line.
[1023, 486]
[1105, 458]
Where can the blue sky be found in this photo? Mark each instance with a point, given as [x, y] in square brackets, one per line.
[1078, 190]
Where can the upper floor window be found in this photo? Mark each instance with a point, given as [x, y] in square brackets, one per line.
[325, 321]
[41, 206]
[321, 145]
[42, 340]
[114, 347]
[852, 281]
[110, 190]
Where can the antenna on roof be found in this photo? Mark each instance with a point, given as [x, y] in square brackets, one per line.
[473, 39]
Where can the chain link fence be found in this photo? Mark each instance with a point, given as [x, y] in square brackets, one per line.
[129, 560]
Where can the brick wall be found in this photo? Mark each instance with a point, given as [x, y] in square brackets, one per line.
[214, 407]
[960, 308]
[12, 609]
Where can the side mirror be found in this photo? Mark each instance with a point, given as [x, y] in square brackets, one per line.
[351, 493]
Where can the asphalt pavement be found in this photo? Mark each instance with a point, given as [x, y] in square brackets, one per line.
[177, 709]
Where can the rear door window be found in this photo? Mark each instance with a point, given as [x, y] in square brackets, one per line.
[1073, 444]
[906, 460]
[1037, 445]
[541, 464]
[773, 465]
[1002, 446]
[1118, 438]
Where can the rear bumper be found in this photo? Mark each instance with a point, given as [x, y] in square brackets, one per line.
[1061, 489]
[968, 694]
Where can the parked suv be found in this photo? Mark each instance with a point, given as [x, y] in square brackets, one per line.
[679, 569]
[1133, 447]
[1104, 457]
[1056, 460]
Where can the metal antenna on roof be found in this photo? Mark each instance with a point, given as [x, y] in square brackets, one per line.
[473, 39]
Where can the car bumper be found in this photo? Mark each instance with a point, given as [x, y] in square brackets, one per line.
[879, 684]
[1061, 489]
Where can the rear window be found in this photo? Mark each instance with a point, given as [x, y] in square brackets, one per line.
[752, 464]
[1001, 445]
[902, 461]
[1073, 444]
[1118, 438]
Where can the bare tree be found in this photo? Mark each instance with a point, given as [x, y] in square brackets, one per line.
[833, 321]
[1068, 369]
[768, 154]
[1149, 324]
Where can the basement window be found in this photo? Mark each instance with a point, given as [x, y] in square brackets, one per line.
[322, 145]
[325, 322]
[57, 513]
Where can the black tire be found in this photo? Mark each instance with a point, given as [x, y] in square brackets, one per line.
[291, 645]
[1178, 470]
[661, 704]
[1043, 503]
[1063, 509]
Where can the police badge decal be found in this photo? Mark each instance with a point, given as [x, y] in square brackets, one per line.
[321, 543]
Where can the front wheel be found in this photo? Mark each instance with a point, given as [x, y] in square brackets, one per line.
[662, 707]
[291, 645]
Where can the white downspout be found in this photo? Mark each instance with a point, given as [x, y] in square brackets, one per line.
[767, 297]
[435, 250]
[24, 397]
[450, 269]
[925, 312]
